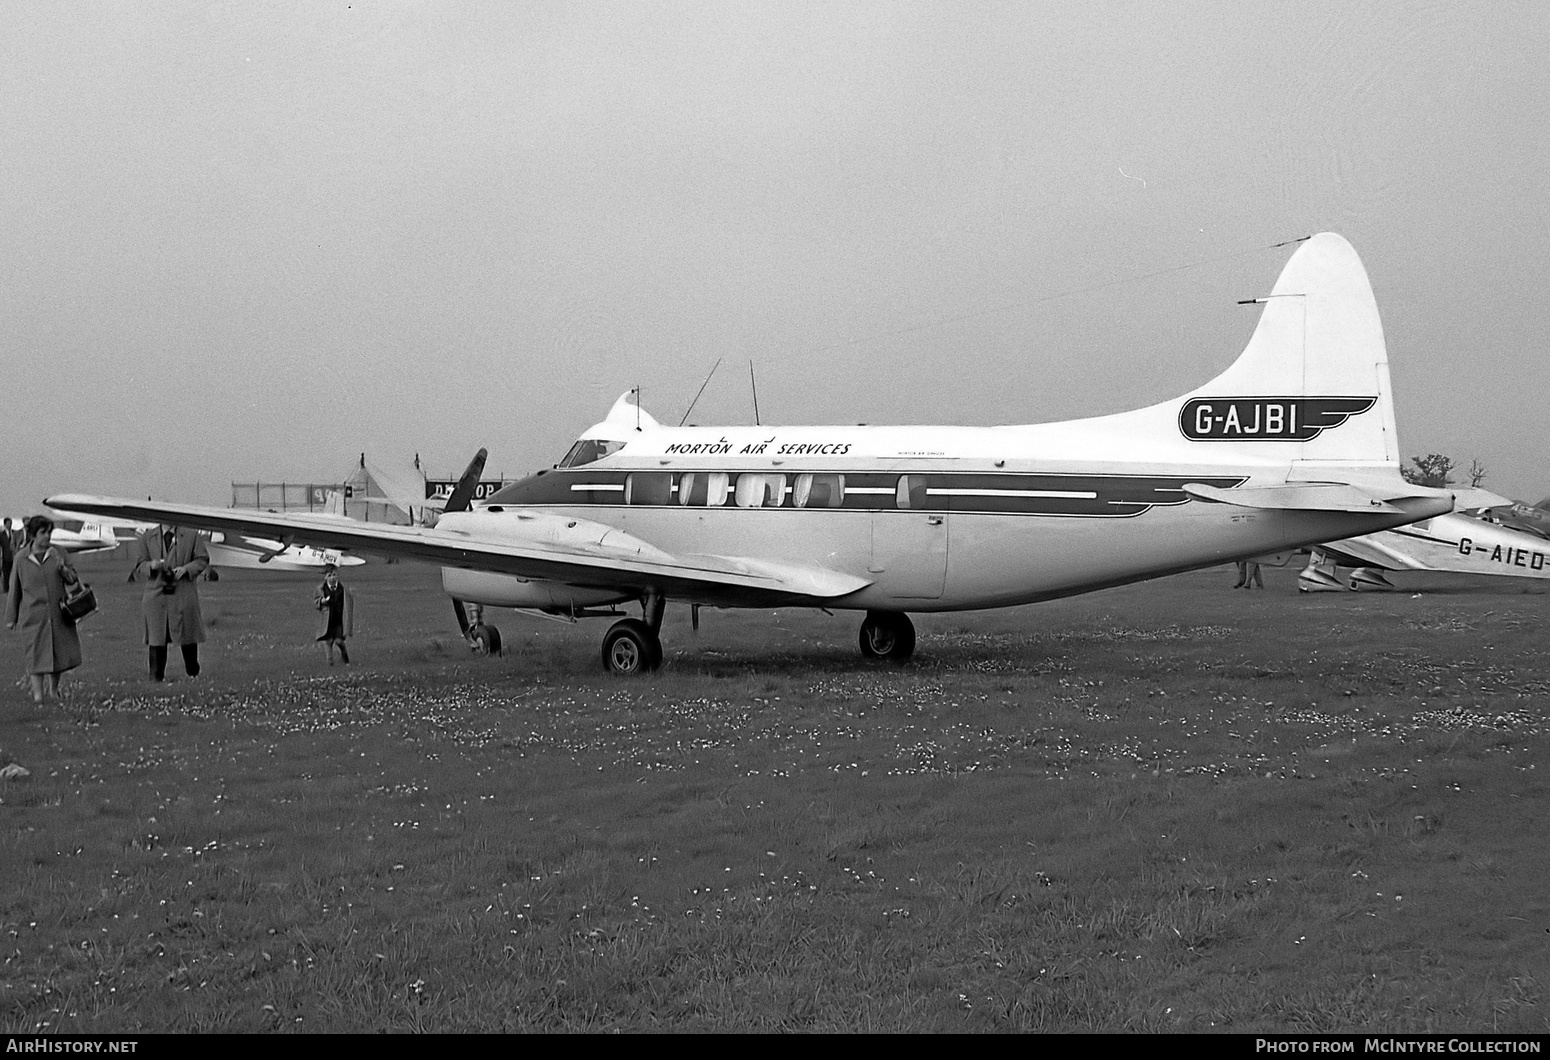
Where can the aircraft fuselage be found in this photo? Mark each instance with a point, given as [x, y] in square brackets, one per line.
[930, 533]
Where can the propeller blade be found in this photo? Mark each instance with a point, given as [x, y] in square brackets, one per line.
[463, 493]
[461, 500]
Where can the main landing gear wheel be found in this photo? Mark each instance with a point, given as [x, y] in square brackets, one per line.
[484, 640]
[887, 635]
[630, 647]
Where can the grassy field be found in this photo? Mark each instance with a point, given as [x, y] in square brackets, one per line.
[1172, 806]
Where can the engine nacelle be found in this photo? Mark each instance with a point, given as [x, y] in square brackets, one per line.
[507, 590]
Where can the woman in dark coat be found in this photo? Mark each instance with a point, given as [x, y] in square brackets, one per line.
[38, 583]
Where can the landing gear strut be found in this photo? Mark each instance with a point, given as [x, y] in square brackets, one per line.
[887, 635]
[632, 645]
[482, 639]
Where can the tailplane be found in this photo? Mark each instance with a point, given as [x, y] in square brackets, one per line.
[334, 504]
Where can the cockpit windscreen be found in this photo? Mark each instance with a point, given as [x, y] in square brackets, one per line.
[589, 449]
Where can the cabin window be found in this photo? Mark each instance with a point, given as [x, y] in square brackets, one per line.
[589, 449]
[818, 491]
[703, 488]
[911, 492]
[648, 487]
[760, 491]
[72, 526]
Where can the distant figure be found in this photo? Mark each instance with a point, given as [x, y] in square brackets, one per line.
[173, 559]
[338, 607]
[32, 602]
[7, 555]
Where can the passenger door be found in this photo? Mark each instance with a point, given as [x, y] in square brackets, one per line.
[909, 546]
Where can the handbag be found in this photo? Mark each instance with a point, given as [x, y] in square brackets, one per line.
[79, 602]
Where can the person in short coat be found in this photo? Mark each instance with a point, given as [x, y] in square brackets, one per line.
[336, 605]
[38, 583]
[171, 559]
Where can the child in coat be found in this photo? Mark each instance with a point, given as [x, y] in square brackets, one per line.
[334, 600]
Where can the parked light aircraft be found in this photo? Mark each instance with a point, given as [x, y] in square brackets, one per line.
[1478, 537]
[242, 552]
[1292, 445]
[237, 551]
[78, 536]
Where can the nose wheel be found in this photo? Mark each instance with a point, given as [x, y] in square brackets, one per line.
[482, 638]
[887, 636]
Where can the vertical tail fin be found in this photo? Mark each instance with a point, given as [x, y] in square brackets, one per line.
[1312, 384]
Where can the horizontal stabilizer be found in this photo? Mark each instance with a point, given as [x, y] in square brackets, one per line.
[1299, 497]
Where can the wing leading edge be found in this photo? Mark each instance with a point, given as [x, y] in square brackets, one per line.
[542, 547]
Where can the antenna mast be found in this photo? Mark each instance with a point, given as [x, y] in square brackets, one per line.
[700, 391]
[754, 386]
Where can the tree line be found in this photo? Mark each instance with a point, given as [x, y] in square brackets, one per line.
[1436, 469]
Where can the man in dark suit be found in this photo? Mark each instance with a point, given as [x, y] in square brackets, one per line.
[7, 554]
[172, 559]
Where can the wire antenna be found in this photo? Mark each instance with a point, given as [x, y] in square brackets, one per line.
[700, 391]
[1028, 303]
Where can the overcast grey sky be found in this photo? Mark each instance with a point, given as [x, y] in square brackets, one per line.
[250, 240]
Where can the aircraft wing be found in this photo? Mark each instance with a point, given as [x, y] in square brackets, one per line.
[1374, 550]
[526, 545]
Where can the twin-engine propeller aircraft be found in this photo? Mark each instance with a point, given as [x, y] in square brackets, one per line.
[1485, 534]
[1292, 445]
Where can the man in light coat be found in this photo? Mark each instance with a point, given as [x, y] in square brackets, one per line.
[171, 559]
